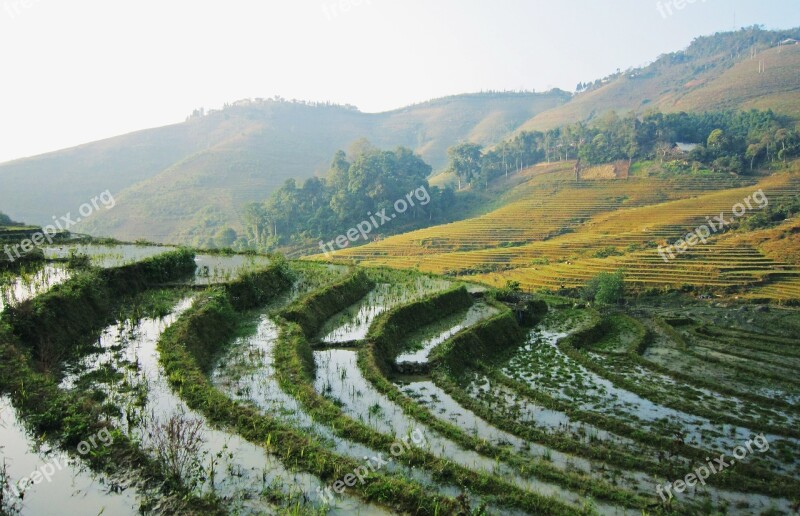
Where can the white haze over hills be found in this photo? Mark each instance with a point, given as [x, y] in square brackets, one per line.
[85, 70]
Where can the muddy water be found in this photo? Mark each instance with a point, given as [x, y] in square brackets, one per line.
[28, 285]
[214, 269]
[722, 438]
[72, 488]
[476, 313]
[106, 256]
[352, 324]
[247, 373]
[241, 470]
[601, 395]
[339, 378]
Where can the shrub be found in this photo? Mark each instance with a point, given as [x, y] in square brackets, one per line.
[312, 311]
[606, 288]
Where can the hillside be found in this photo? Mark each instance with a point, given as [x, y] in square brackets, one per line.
[181, 183]
[714, 72]
[187, 182]
[555, 233]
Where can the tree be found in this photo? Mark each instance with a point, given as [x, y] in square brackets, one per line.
[5, 220]
[754, 150]
[225, 237]
[465, 161]
[611, 288]
[360, 147]
[716, 140]
[606, 288]
[256, 232]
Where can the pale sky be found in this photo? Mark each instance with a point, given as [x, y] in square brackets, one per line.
[81, 70]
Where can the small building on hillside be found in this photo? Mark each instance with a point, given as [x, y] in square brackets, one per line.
[686, 147]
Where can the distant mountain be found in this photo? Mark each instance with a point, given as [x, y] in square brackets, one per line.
[186, 182]
[183, 182]
[745, 69]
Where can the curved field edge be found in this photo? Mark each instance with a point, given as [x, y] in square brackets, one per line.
[755, 478]
[201, 331]
[311, 311]
[70, 418]
[294, 365]
[381, 349]
[574, 344]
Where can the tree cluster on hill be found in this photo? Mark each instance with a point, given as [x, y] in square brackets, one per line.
[730, 141]
[773, 214]
[607, 288]
[366, 183]
[737, 42]
[5, 220]
[719, 50]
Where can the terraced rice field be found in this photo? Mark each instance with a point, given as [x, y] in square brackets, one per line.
[555, 233]
[31, 281]
[306, 388]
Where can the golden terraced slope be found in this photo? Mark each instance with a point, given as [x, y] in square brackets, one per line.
[559, 233]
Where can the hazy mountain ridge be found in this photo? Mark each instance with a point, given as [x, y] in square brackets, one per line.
[185, 182]
[714, 72]
[173, 182]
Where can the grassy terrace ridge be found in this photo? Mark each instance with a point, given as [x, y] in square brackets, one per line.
[386, 332]
[775, 485]
[51, 323]
[699, 382]
[375, 359]
[551, 232]
[292, 356]
[70, 418]
[754, 477]
[499, 333]
[575, 343]
[213, 320]
[311, 312]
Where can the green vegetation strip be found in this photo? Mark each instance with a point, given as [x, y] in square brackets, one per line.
[71, 417]
[758, 479]
[382, 347]
[311, 311]
[291, 359]
[389, 329]
[573, 346]
[52, 323]
[201, 330]
[712, 386]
